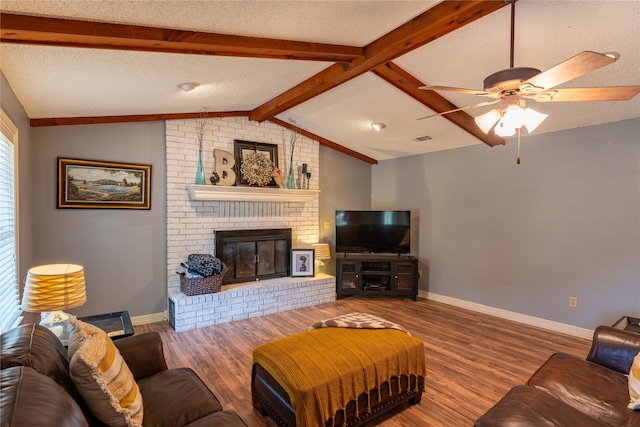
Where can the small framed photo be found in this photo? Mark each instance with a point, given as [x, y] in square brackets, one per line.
[103, 185]
[302, 263]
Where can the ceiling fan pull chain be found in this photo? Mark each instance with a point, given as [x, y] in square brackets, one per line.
[518, 160]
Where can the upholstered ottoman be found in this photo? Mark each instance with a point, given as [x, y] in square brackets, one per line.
[337, 375]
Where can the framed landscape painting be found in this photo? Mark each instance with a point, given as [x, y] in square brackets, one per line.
[91, 184]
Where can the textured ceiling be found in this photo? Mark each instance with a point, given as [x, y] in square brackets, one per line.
[71, 82]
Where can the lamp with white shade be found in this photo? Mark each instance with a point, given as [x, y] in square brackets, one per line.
[321, 252]
[53, 288]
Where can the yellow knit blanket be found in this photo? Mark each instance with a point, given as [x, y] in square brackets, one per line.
[323, 369]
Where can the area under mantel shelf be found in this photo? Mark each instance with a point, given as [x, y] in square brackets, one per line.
[249, 194]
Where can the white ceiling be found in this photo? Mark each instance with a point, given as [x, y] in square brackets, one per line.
[71, 82]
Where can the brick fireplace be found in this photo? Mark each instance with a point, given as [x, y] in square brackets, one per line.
[192, 220]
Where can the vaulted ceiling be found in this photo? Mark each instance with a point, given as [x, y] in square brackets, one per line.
[333, 67]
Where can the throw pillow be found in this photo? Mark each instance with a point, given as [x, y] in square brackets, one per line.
[103, 378]
[634, 383]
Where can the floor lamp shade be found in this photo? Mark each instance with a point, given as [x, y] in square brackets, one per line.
[54, 287]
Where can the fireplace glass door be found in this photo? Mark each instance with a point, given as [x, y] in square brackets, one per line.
[254, 254]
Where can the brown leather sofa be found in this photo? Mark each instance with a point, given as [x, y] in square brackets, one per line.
[569, 391]
[36, 389]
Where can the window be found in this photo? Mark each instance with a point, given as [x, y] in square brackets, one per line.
[9, 292]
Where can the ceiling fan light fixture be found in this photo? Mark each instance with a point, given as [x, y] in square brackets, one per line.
[514, 83]
[487, 120]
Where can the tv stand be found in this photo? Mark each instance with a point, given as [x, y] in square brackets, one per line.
[377, 275]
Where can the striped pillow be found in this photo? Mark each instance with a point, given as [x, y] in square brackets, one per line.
[103, 378]
[634, 383]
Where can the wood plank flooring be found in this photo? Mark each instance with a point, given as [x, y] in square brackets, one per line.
[473, 359]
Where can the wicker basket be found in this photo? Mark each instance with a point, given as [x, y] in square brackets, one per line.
[198, 286]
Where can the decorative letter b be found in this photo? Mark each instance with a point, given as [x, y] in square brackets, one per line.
[224, 167]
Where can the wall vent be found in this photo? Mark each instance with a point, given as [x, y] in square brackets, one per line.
[422, 138]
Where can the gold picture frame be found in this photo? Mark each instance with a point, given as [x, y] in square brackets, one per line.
[92, 184]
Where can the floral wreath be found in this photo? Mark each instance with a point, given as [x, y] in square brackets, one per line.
[257, 169]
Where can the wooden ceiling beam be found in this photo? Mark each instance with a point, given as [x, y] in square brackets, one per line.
[95, 120]
[350, 61]
[87, 120]
[408, 84]
[37, 30]
[325, 142]
[436, 22]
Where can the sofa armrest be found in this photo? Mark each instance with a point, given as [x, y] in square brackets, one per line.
[614, 348]
[143, 353]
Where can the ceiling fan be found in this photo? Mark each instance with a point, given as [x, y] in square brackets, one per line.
[511, 86]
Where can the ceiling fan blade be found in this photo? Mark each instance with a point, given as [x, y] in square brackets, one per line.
[570, 69]
[458, 89]
[613, 93]
[481, 104]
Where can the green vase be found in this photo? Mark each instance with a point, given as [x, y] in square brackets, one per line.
[291, 182]
[200, 179]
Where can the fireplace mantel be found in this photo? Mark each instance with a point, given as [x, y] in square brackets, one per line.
[249, 194]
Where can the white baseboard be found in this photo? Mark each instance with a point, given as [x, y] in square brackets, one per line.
[510, 315]
[149, 318]
[498, 312]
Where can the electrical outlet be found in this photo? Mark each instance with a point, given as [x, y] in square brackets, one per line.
[327, 225]
[573, 301]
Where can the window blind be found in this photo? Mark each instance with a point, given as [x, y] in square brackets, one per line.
[9, 293]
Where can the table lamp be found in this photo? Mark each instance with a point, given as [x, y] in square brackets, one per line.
[53, 288]
[321, 252]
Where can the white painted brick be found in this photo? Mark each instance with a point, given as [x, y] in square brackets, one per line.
[255, 299]
[191, 224]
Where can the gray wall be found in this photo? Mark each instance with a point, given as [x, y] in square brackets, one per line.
[565, 222]
[12, 107]
[123, 251]
[345, 183]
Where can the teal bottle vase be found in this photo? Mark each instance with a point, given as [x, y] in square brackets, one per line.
[291, 182]
[200, 179]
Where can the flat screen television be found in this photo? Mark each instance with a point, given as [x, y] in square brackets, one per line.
[384, 232]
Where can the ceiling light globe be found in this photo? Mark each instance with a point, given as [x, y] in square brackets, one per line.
[378, 126]
[514, 117]
[533, 119]
[503, 130]
[188, 86]
[486, 121]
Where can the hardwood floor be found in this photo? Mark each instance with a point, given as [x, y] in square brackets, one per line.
[473, 359]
